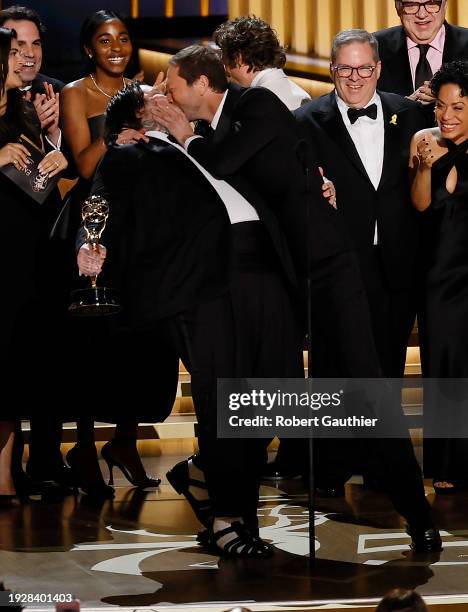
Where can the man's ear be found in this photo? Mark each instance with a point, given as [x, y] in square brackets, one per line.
[203, 84]
[378, 69]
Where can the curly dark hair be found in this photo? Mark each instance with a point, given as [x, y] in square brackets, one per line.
[453, 73]
[251, 40]
[122, 111]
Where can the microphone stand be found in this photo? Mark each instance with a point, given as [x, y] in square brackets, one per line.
[302, 155]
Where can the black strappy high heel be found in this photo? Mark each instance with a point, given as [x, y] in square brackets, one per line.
[179, 478]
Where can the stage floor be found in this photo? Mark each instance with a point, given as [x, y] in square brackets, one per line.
[140, 550]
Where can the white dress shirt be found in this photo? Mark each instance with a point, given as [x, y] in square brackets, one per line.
[219, 110]
[368, 136]
[287, 91]
[238, 209]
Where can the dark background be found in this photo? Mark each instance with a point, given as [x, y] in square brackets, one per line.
[63, 19]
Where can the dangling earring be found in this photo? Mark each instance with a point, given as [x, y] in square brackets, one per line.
[90, 55]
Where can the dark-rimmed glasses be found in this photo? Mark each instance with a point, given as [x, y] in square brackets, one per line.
[344, 72]
[412, 8]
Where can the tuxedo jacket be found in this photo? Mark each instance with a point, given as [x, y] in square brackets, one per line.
[359, 203]
[257, 146]
[396, 72]
[168, 233]
[37, 85]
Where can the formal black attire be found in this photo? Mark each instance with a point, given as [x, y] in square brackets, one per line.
[45, 459]
[34, 308]
[126, 350]
[393, 49]
[257, 140]
[446, 323]
[216, 291]
[387, 272]
[396, 77]
[390, 268]
[37, 84]
[256, 143]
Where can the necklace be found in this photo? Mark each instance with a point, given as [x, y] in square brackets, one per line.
[101, 90]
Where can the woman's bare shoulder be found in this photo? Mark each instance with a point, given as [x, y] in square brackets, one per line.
[76, 88]
[430, 133]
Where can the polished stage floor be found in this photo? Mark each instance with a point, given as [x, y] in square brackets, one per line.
[140, 549]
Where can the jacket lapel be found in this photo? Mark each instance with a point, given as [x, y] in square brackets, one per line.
[450, 52]
[398, 63]
[391, 137]
[332, 122]
[225, 121]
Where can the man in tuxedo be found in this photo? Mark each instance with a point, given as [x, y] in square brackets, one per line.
[254, 57]
[412, 52]
[208, 268]
[45, 463]
[246, 132]
[253, 139]
[41, 90]
[364, 136]
[30, 31]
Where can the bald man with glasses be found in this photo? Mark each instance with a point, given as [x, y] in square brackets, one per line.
[412, 52]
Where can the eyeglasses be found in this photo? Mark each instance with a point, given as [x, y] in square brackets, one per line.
[412, 8]
[365, 72]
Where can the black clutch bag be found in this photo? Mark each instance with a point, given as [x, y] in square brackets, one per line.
[38, 186]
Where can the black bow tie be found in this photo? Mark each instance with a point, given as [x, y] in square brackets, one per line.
[355, 113]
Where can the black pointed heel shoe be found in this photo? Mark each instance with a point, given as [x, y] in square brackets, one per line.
[87, 475]
[127, 459]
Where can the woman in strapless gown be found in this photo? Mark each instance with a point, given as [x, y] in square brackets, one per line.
[106, 44]
[440, 189]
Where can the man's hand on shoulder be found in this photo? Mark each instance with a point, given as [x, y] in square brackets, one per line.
[423, 94]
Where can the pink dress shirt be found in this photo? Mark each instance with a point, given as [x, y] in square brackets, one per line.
[434, 53]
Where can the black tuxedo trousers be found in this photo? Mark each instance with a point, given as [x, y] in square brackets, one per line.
[249, 331]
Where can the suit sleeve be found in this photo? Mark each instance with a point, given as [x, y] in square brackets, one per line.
[113, 181]
[252, 128]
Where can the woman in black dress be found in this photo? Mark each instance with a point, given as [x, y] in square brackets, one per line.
[440, 188]
[106, 43]
[29, 303]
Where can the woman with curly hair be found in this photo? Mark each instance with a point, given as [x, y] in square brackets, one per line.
[440, 189]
